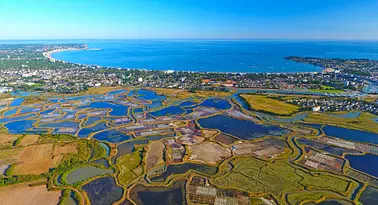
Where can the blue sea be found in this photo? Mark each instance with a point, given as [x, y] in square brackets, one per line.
[213, 55]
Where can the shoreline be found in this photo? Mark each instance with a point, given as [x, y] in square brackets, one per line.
[48, 55]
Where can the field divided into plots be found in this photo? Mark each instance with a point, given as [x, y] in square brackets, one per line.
[144, 145]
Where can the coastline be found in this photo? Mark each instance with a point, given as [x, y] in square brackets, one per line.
[48, 54]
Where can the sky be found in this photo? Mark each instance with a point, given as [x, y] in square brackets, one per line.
[189, 19]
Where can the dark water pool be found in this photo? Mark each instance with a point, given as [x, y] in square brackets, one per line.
[367, 163]
[117, 109]
[369, 196]
[350, 134]
[242, 129]
[172, 110]
[103, 191]
[174, 195]
[113, 136]
[216, 103]
[187, 103]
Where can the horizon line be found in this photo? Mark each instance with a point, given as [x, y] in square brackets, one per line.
[193, 39]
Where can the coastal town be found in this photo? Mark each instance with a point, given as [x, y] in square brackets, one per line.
[114, 145]
[31, 68]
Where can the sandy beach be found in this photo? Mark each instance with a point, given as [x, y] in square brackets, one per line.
[48, 54]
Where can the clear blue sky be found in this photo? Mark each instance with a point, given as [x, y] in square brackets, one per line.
[204, 19]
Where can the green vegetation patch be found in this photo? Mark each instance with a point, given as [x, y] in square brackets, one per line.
[127, 164]
[253, 175]
[326, 89]
[266, 104]
[97, 150]
[309, 196]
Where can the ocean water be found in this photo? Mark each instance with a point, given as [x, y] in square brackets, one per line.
[213, 56]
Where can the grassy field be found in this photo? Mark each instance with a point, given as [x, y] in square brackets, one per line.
[362, 122]
[325, 91]
[127, 164]
[265, 104]
[279, 178]
[182, 94]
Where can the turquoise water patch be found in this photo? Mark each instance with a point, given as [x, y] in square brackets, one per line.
[83, 173]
